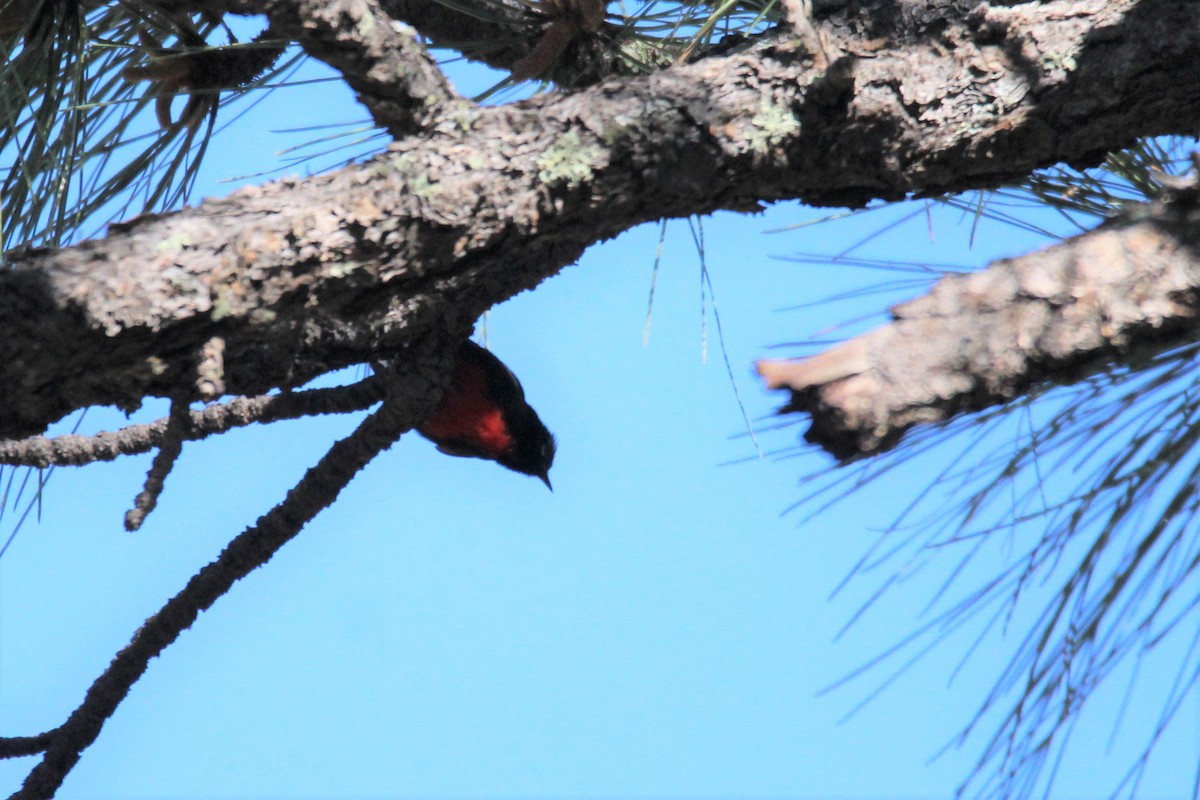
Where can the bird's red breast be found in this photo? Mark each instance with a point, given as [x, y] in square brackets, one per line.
[468, 416]
[483, 414]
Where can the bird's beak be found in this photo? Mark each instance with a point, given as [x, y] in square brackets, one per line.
[545, 476]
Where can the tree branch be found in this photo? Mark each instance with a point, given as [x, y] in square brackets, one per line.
[76, 450]
[389, 69]
[299, 277]
[505, 34]
[498, 33]
[1129, 287]
[412, 389]
[168, 453]
[17, 746]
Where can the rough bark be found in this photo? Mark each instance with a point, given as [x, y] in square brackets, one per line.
[299, 277]
[978, 340]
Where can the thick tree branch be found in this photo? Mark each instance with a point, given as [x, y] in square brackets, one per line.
[977, 340]
[412, 391]
[299, 277]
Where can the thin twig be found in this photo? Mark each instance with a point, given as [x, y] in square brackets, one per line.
[160, 468]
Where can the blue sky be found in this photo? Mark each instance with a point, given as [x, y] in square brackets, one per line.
[656, 627]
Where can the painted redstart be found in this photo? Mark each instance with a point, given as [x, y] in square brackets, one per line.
[483, 414]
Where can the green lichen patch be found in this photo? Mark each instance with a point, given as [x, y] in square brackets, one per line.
[771, 125]
[175, 244]
[569, 161]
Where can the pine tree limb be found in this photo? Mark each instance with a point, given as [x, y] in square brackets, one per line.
[1121, 292]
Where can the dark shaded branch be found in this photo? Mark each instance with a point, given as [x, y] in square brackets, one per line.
[507, 33]
[1125, 290]
[76, 450]
[498, 33]
[164, 460]
[569, 19]
[16, 746]
[411, 392]
[192, 67]
[300, 277]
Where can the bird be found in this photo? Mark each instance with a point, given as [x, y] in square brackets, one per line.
[483, 414]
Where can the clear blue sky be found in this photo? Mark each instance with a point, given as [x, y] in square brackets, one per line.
[656, 627]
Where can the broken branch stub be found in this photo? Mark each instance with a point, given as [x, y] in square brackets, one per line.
[1109, 296]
